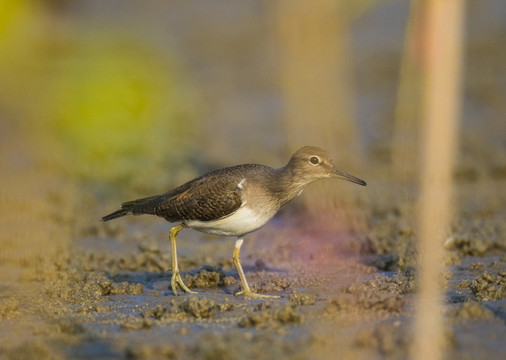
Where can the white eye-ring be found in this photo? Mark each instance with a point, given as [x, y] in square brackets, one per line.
[314, 160]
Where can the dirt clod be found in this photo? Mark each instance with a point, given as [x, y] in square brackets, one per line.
[487, 287]
[470, 310]
[297, 298]
[272, 317]
[207, 277]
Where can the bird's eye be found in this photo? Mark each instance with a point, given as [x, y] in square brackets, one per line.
[314, 160]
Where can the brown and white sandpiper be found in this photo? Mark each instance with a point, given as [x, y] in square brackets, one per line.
[234, 201]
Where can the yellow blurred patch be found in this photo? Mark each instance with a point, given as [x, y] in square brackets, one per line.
[113, 98]
[107, 101]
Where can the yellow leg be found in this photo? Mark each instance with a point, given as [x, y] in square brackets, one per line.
[246, 291]
[176, 278]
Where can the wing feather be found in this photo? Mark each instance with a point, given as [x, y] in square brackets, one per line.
[208, 198]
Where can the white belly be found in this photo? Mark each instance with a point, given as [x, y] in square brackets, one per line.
[243, 221]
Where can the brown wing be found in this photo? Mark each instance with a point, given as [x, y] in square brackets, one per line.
[207, 198]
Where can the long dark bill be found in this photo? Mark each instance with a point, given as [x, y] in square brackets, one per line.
[345, 176]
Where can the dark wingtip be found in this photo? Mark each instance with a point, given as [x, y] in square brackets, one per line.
[114, 215]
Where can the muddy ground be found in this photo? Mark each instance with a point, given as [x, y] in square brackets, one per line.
[73, 287]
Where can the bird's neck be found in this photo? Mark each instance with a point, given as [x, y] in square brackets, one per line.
[287, 184]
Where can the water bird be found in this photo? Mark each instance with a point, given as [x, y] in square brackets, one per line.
[234, 201]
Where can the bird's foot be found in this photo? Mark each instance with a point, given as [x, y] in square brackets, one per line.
[248, 294]
[176, 278]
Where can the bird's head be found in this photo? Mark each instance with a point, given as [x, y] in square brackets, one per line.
[312, 163]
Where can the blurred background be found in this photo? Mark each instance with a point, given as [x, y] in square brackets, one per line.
[156, 87]
[105, 101]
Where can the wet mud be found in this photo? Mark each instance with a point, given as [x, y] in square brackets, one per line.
[346, 293]
[72, 287]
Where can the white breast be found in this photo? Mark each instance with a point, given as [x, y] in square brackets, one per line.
[241, 222]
